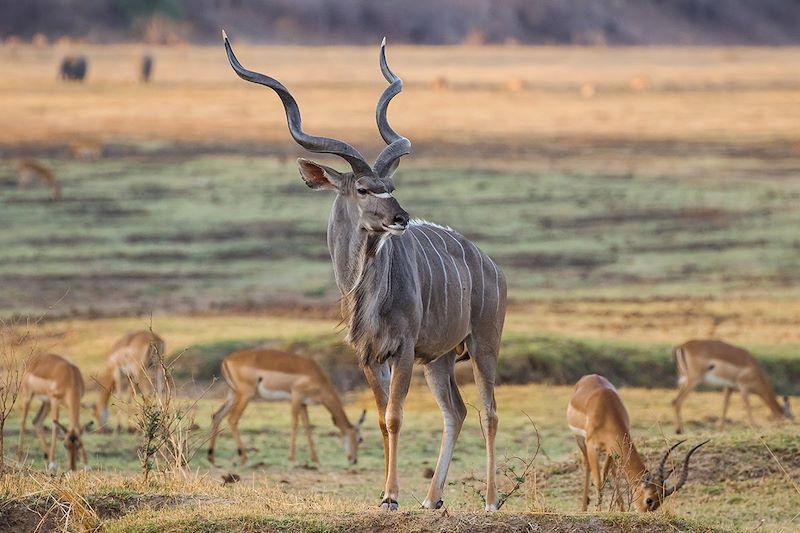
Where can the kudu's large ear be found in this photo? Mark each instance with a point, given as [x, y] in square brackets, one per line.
[318, 177]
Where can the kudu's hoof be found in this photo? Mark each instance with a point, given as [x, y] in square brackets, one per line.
[389, 505]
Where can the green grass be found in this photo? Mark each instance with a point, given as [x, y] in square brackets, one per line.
[735, 483]
[527, 357]
[170, 232]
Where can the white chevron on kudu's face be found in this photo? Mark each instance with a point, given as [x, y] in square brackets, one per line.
[411, 290]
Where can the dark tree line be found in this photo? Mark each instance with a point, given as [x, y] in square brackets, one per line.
[415, 21]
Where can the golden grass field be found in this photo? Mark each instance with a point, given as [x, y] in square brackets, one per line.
[720, 119]
[659, 94]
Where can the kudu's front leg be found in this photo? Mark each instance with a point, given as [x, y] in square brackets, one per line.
[379, 377]
[402, 365]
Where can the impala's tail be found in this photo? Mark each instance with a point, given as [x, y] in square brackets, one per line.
[226, 375]
[680, 363]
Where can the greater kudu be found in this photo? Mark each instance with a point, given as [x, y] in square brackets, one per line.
[411, 290]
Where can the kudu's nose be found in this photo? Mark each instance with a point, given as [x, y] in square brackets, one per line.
[401, 219]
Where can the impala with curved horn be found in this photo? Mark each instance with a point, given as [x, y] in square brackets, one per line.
[599, 420]
[411, 290]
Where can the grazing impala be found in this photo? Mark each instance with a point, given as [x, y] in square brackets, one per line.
[56, 381]
[724, 365]
[411, 290]
[132, 360]
[30, 170]
[274, 376]
[598, 419]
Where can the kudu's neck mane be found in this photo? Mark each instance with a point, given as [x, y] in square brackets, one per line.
[362, 263]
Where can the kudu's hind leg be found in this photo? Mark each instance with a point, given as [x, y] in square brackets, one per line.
[442, 382]
[484, 366]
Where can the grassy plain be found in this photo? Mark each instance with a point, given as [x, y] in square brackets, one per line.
[634, 197]
[674, 177]
[274, 495]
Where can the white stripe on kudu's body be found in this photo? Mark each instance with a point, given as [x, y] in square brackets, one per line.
[396, 313]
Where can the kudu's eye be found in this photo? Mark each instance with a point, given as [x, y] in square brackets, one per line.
[362, 191]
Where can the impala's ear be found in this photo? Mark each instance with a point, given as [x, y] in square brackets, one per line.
[88, 427]
[362, 417]
[318, 177]
[61, 429]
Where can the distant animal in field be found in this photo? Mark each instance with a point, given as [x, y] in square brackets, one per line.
[132, 365]
[86, 150]
[73, 68]
[599, 420]
[412, 291]
[146, 69]
[440, 83]
[516, 84]
[31, 170]
[721, 364]
[56, 381]
[275, 375]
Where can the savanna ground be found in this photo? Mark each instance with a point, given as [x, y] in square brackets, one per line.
[634, 197]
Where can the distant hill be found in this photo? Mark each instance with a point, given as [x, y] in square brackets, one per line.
[613, 22]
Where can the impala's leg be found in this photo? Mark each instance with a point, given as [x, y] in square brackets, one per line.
[157, 359]
[26, 405]
[594, 465]
[402, 365]
[686, 387]
[442, 382]
[38, 426]
[618, 484]
[53, 430]
[84, 455]
[216, 420]
[608, 465]
[484, 366]
[233, 422]
[307, 426]
[725, 401]
[296, 403]
[746, 399]
[582, 446]
[379, 378]
[118, 391]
